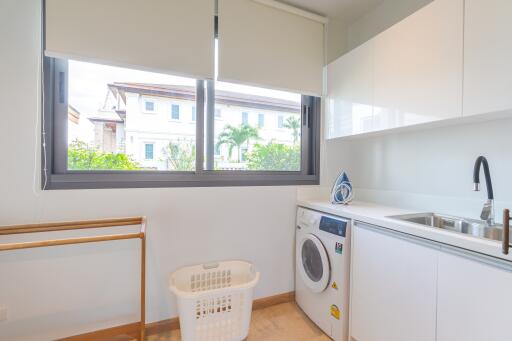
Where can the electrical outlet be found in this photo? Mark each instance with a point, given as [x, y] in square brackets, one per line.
[3, 313]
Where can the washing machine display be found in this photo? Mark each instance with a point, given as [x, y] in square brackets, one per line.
[334, 226]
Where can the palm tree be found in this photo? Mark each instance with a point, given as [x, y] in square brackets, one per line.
[236, 137]
[293, 123]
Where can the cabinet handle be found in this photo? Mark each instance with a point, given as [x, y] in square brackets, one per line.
[506, 231]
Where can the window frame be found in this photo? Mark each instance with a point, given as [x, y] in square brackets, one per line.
[280, 121]
[178, 112]
[146, 102]
[146, 144]
[245, 118]
[261, 120]
[193, 116]
[55, 174]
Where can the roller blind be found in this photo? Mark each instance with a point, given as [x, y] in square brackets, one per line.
[267, 46]
[169, 36]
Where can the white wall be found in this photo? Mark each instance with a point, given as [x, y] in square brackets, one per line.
[67, 290]
[427, 169]
[342, 38]
[336, 37]
[379, 19]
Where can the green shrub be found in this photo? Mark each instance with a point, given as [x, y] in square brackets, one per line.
[274, 156]
[83, 157]
[180, 156]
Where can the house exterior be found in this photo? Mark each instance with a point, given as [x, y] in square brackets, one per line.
[142, 119]
[108, 131]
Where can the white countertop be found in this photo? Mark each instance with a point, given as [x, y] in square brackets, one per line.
[377, 215]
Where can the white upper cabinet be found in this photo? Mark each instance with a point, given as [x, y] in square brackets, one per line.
[487, 56]
[349, 93]
[418, 67]
[474, 300]
[409, 74]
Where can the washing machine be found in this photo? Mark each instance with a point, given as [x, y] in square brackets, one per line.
[323, 269]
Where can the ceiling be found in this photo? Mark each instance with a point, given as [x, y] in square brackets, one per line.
[346, 10]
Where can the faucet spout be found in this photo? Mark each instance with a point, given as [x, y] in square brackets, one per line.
[481, 160]
[488, 209]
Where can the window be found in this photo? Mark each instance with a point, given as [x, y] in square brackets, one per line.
[243, 155]
[261, 120]
[252, 149]
[175, 112]
[98, 135]
[366, 123]
[245, 118]
[114, 135]
[148, 151]
[280, 122]
[149, 106]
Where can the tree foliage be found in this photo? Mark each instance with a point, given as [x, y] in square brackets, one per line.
[274, 156]
[235, 137]
[180, 156]
[293, 123]
[83, 157]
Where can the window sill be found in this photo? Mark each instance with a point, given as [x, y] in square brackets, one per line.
[151, 179]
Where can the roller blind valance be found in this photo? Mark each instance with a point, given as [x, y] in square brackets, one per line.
[168, 36]
[267, 46]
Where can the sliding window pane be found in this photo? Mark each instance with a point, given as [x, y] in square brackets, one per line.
[125, 119]
[259, 129]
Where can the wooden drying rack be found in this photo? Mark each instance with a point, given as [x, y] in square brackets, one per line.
[87, 224]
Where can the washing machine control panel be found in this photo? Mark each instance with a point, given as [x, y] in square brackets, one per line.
[330, 224]
[334, 226]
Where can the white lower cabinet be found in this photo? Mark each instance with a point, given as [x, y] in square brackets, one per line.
[474, 300]
[393, 291]
[403, 289]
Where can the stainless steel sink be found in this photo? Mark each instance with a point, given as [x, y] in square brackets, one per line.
[472, 227]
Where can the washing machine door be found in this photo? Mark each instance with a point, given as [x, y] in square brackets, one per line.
[313, 263]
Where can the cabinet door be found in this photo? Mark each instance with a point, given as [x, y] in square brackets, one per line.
[418, 67]
[349, 93]
[474, 300]
[487, 56]
[393, 288]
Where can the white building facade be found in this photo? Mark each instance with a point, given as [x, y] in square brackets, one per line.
[145, 118]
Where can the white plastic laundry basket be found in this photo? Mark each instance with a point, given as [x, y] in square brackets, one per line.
[215, 300]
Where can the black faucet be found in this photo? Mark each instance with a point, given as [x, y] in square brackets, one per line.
[488, 209]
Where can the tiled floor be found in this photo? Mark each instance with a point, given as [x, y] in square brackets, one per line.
[283, 322]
